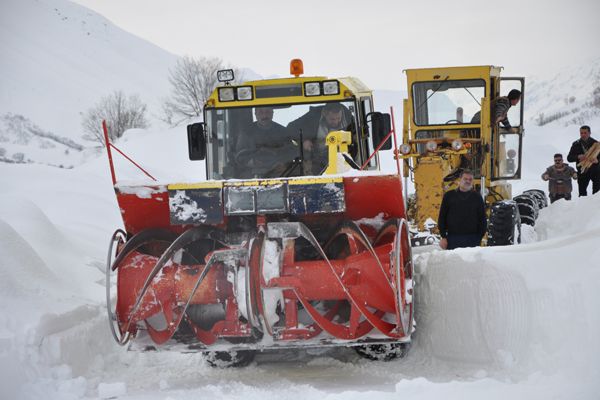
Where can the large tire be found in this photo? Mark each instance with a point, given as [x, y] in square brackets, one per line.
[383, 352]
[227, 359]
[504, 227]
[540, 196]
[528, 208]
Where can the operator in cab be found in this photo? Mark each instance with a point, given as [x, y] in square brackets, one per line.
[264, 147]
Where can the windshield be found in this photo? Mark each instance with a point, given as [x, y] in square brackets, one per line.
[271, 141]
[448, 102]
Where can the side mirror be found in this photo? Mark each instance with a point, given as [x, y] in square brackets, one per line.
[196, 141]
[381, 127]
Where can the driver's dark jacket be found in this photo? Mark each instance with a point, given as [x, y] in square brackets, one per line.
[307, 126]
[256, 137]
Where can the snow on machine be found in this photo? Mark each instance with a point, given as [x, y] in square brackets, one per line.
[293, 238]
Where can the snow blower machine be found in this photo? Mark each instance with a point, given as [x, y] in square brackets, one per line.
[293, 237]
[452, 123]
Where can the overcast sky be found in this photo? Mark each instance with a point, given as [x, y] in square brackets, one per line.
[370, 39]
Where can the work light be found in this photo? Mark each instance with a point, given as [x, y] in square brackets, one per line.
[226, 94]
[244, 93]
[312, 89]
[331, 88]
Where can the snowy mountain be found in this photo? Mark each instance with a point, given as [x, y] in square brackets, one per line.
[58, 59]
[570, 97]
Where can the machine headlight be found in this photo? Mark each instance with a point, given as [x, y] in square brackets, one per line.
[244, 93]
[431, 145]
[331, 88]
[226, 94]
[312, 89]
[225, 75]
[239, 200]
[405, 148]
[457, 144]
[271, 199]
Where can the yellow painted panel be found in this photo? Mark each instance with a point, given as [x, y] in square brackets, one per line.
[201, 185]
[312, 181]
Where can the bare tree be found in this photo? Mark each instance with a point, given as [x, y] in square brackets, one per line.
[119, 111]
[192, 82]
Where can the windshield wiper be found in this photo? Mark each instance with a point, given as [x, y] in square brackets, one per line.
[432, 93]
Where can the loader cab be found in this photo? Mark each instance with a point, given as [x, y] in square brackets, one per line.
[449, 106]
[449, 125]
[236, 142]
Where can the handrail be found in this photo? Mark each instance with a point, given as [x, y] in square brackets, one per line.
[110, 160]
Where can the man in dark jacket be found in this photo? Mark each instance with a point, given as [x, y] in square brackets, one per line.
[462, 221]
[314, 126]
[559, 178]
[264, 146]
[578, 149]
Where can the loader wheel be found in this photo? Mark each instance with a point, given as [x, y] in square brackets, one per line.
[383, 352]
[528, 208]
[540, 196]
[504, 226]
[229, 359]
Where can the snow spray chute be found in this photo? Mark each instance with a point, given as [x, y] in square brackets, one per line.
[270, 257]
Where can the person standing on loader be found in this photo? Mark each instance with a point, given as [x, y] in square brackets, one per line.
[577, 154]
[500, 107]
[559, 178]
[462, 221]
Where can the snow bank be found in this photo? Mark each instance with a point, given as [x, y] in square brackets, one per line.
[518, 309]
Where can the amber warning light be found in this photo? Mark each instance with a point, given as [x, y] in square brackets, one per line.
[296, 67]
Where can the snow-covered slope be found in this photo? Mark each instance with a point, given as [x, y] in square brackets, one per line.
[569, 97]
[59, 58]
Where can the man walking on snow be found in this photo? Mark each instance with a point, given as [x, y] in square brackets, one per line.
[576, 154]
[559, 178]
[462, 221]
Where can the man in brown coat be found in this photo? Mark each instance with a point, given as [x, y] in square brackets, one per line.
[559, 178]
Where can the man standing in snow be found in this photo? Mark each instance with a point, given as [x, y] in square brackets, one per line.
[559, 178]
[462, 220]
[576, 154]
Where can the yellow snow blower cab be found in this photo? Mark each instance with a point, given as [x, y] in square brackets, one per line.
[453, 120]
[291, 238]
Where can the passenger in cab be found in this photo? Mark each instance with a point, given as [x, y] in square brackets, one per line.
[314, 126]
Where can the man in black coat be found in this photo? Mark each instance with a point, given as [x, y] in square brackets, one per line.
[462, 221]
[264, 147]
[578, 149]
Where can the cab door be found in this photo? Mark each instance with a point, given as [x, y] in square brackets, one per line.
[509, 142]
